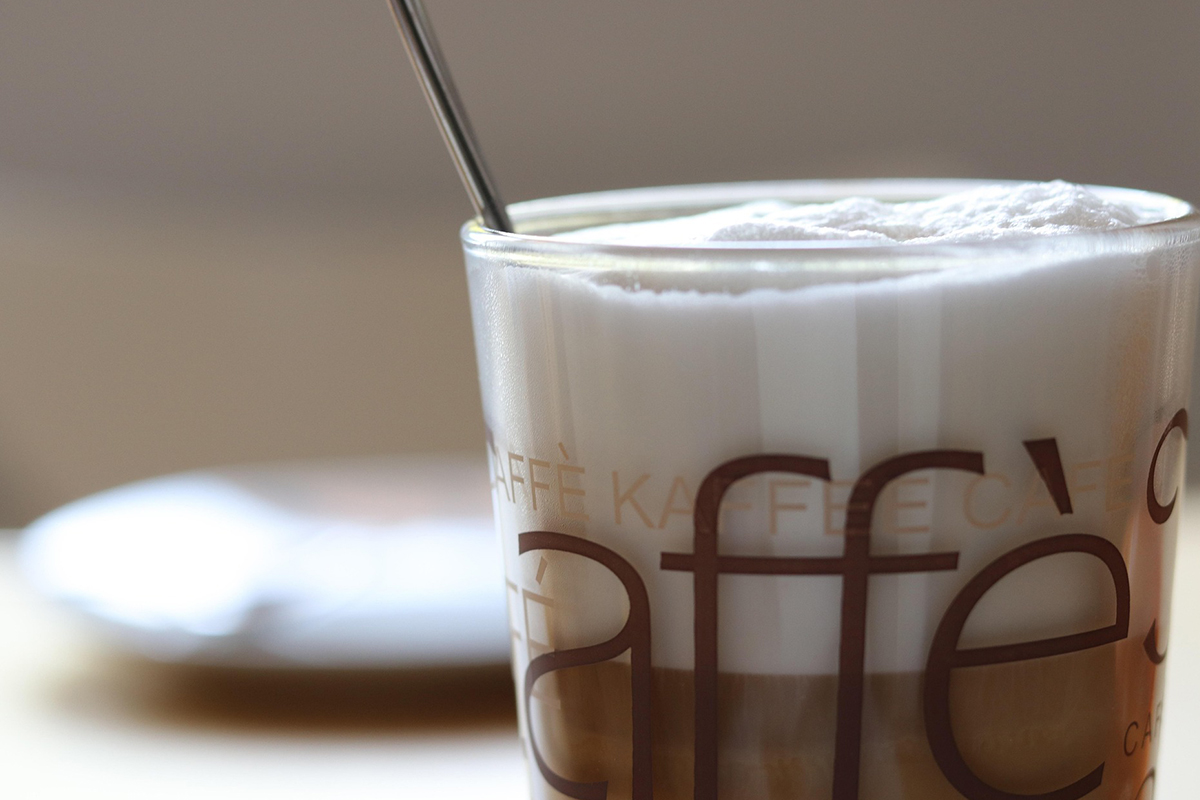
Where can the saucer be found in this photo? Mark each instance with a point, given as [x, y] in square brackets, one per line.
[365, 564]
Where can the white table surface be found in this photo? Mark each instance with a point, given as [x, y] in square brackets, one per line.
[78, 722]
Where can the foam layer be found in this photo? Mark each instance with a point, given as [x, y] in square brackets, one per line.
[981, 214]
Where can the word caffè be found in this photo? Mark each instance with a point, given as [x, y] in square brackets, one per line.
[855, 567]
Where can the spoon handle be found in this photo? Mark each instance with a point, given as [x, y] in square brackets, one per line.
[448, 110]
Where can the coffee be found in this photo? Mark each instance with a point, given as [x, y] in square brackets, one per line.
[848, 521]
[1025, 728]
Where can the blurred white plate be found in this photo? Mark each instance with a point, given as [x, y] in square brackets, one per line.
[357, 564]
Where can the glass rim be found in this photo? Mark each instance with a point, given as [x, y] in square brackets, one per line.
[536, 219]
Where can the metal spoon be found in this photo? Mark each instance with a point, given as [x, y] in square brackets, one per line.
[448, 110]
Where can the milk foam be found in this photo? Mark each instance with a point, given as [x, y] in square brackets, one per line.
[625, 381]
[981, 214]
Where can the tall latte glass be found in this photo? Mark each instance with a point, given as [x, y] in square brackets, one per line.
[834, 519]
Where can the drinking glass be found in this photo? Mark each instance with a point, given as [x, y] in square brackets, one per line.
[836, 519]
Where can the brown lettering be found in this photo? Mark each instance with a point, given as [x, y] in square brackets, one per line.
[1160, 513]
[945, 656]
[620, 499]
[513, 477]
[973, 516]
[831, 506]
[1150, 645]
[512, 629]
[534, 483]
[1077, 487]
[634, 637]
[775, 506]
[1118, 480]
[497, 465]
[1126, 748]
[859, 565]
[565, 491]
[1036, 496]
[1046, 458]
[855, 566]
[677, 486]
[902, 505]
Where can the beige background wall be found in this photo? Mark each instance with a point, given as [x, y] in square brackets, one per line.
[228, 229]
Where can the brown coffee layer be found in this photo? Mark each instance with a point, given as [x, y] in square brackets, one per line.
[1025, 727]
